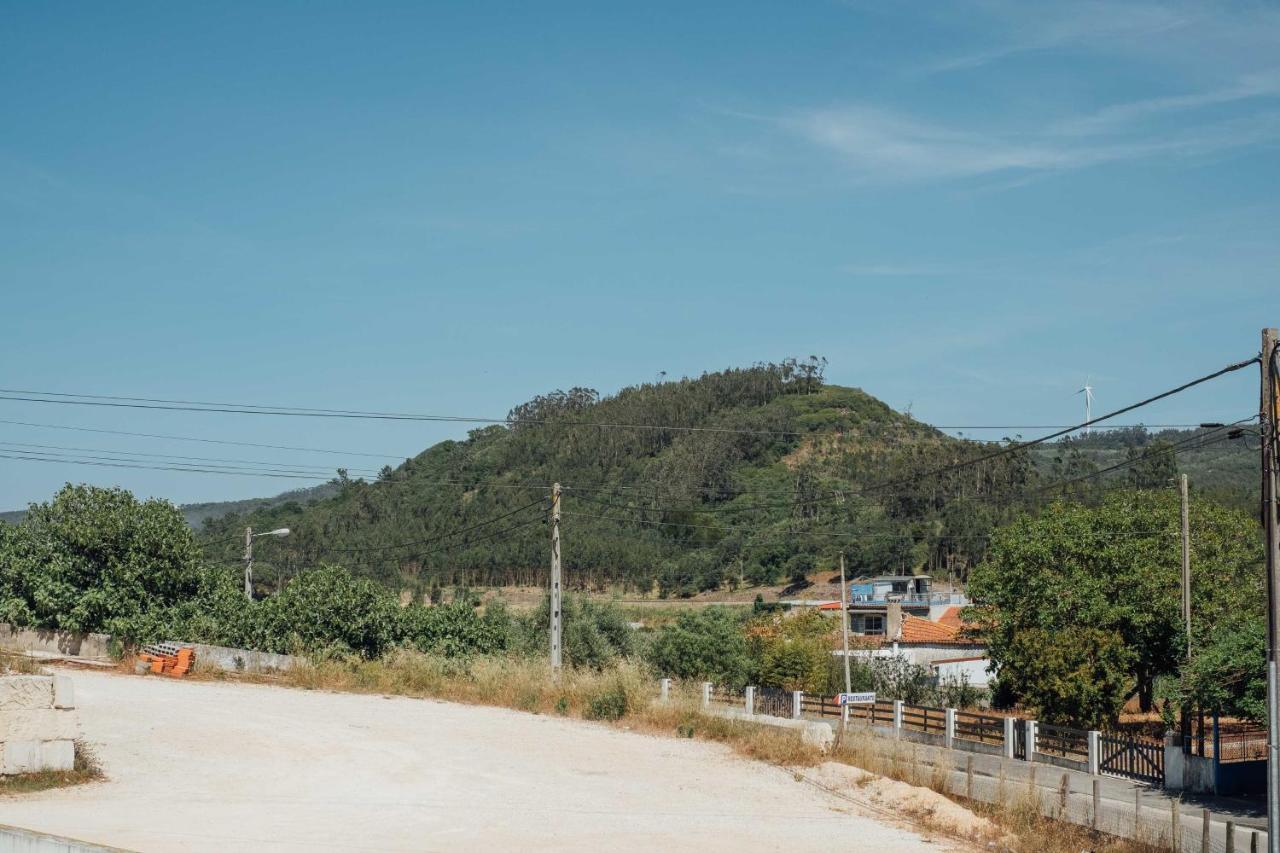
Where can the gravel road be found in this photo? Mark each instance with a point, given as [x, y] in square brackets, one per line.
[218, 766]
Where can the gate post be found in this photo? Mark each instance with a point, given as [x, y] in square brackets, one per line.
[706, 694]
[797, 702]
[949, 728]
[1032, 731]
[1095, 756]
[749, 698]
[897, 718]
[666, 690]
[1010, 736]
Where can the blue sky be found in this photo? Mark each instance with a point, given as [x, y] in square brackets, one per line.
[968, 208]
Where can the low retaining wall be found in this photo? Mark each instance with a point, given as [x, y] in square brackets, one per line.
[14, 839]
[67, 643]
[95, 647]
[243, 660]
[38, 725]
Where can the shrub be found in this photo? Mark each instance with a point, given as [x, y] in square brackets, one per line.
[707, 644]
[610, 704]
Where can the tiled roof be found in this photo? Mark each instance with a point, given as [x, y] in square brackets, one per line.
[917, 630]
[952, 617]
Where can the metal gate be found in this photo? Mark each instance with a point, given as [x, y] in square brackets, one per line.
[1131, 758]
[773, 701]
[1020, 740]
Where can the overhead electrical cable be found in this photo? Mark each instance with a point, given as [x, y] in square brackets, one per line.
[203, 440]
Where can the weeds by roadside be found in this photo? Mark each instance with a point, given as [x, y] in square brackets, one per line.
[86, 769]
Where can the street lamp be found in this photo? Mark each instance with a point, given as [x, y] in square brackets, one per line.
[249, 536]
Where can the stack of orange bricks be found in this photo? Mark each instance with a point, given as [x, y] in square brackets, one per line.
[168, 659]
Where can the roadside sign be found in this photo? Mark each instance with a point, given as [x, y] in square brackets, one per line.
[857, 698]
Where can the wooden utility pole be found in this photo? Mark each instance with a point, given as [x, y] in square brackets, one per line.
[1186, 562]
[248, 563]
[555, 577]
[1268, 411]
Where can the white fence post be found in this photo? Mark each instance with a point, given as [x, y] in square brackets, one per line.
[706, 694]
[666, 689]
[1010, 736]
[897, 717]
[749, 699]
[1032, 731]
[1095, 753]
[949, 728]
[797, 702]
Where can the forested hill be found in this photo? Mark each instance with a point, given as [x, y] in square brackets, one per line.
[746, 475]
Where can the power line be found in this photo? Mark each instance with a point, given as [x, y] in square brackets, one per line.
[432, 539]
[288, 465]
[161, 404]
[203, 440]
[190, 470]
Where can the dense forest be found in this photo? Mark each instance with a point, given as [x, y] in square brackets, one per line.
[744, 476]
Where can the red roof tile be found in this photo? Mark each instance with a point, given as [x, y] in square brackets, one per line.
[917, 630]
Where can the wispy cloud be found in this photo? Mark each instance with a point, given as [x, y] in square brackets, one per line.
[1264, 84]
[1026, 27]
[878, 146]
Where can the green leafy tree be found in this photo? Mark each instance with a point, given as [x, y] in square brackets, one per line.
[329, 609]
[97, 559]
[1077, 676]
[1227, 675]
[707, 644]
[1115, 568]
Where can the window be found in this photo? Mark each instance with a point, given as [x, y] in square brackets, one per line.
[872, 626]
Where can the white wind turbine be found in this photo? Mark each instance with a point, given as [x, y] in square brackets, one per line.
[1087, 391]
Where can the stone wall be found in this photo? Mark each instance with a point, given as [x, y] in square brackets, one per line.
[38, 725]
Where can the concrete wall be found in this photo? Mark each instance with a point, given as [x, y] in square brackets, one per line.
[973, 670]
[243, 660]
[94, 647]
[1184, 772]
[38, 724]
[16, 840]
[67, 643]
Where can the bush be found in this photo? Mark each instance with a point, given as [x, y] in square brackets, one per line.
[707, 644]
[329, 609]
[610, 704]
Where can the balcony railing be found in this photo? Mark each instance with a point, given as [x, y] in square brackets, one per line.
[920, 598]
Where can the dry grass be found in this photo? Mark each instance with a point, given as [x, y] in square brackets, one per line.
[19, 663]
[86, 769]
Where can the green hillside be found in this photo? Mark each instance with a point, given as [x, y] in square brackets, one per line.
[745, 476]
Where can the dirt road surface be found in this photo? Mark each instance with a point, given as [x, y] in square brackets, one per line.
[227, 767]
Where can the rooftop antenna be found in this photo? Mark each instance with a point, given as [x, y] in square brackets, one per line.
[1087, 391]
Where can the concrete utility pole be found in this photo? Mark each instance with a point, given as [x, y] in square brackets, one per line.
[248, 563]
[1186, 561]
[555, 576]
[1268, 410]
[844, 627]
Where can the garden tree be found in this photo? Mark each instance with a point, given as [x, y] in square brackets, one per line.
[457, 629]
[1116, 568]
[1154, 466]
[330, 609]
[594, 634]
[705, 644]
[792, 652]
[1228, 674]
[1076, 676]
[96, 559]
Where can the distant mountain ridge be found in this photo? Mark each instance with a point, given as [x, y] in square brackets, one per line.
[197, 513]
